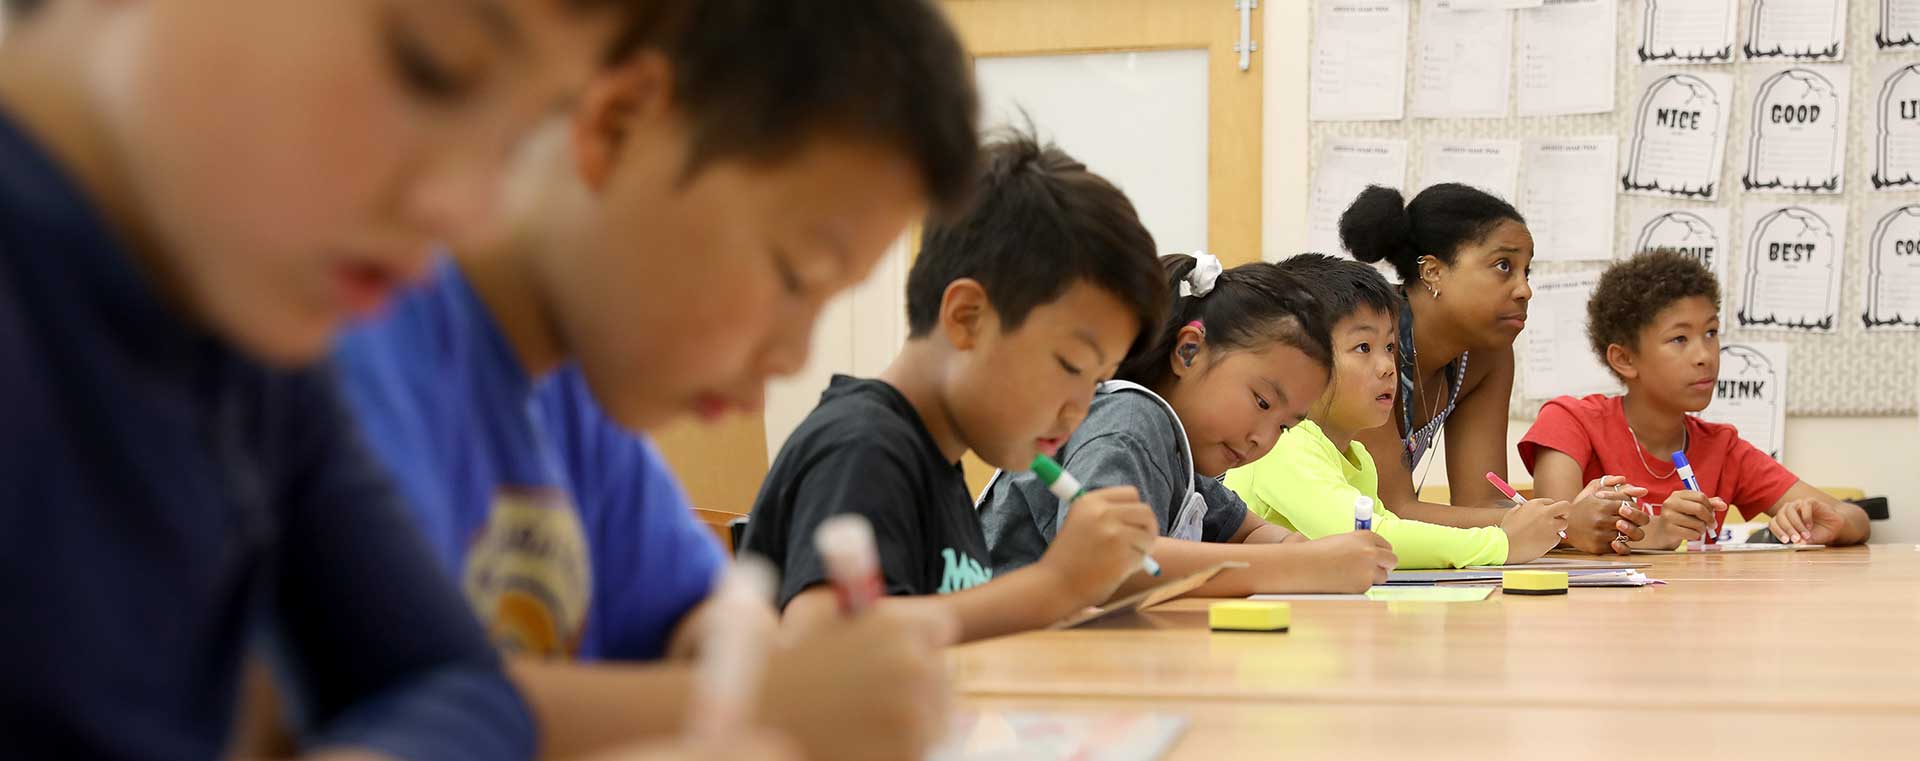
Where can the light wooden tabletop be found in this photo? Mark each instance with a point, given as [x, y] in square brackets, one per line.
[1777, 655]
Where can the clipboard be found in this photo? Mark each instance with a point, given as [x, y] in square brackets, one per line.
[1149, 597]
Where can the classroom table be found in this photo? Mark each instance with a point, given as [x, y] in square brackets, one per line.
[1775, 655]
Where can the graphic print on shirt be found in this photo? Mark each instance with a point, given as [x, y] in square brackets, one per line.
[962, 572]
[527, 575]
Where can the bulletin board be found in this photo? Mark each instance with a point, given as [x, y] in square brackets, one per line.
[1849, 371]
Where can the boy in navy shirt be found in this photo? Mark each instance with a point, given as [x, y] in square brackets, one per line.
[670, 245]
[193, 198]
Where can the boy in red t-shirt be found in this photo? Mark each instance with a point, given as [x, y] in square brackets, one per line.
[1654, 319]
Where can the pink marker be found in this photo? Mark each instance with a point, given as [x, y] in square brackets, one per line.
[1512, 495]
[845, 544]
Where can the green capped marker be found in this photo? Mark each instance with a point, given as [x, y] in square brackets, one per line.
[1068, 489]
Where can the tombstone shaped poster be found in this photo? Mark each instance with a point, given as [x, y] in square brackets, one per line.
[1896, 126]
[1698, 233]
[1899, 24]
[1793, 267]
[1798, 134]
[1893, 271]
[1751, 394]
[1800, 30]
[1679, 131]
[1687, 31]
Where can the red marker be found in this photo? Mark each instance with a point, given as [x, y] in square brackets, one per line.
[1512, 495]
[845, 544]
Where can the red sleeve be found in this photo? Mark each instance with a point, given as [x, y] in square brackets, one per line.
[1763, 480]
[1558, 428]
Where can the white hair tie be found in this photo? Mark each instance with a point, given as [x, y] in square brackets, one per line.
[1206, 272]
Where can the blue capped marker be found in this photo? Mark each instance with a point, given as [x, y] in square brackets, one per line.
[1685, 470]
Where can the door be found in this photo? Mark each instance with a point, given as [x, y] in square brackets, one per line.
[1151, 94]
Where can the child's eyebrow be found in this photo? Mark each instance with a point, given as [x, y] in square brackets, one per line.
[1087, 336]
[1279, 394]
[498, 22]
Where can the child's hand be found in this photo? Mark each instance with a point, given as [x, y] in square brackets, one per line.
[1106, 534]
[1534, 528]
[1686, 516]
[868, 688]
[1348, 563]
[1808, 521]
[1601, 516]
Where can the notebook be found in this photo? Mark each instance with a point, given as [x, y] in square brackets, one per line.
[1050, 736]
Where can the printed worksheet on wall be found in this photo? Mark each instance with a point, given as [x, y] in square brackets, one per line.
[1566, 57]
[1555, 356]
[1899, 24]
[1797, 135]
[1891, 279]
[1896, 126]
[1568, 199]
[1800, 30]
[1794, 255]
[1359, 60]
[1687, 31]
[1462, 61]
[1345, 167]
[1751, 394]
[1490, 165]
[1678, 140]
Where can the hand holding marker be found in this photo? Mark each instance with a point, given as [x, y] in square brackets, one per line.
[1068, 489]
[1685, 471]
[845, 544]
[1512, 495]
[732, 656]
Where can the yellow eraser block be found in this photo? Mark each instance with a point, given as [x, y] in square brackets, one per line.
[1249, 616]
[1534, 582]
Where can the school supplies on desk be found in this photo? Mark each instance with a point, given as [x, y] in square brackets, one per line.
[1433, 593]
[1150, 597]
[1564, 564]
[1596, 577]
[1512, 495]
[1050, 736]
[1733, 549]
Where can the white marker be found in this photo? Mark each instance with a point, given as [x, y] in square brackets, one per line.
[845, 544]
[1363, 513]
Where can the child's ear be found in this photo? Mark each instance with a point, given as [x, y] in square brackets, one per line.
[964, 312]
[1189, 351]
[1621, 359]
[616, 101]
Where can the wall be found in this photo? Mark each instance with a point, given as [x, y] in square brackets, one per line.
[1823, 450]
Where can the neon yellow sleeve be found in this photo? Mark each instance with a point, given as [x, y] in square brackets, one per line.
[1306, 485]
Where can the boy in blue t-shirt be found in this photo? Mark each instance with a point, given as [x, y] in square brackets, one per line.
[193, 198]
[669, 246]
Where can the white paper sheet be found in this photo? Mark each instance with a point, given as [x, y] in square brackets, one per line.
[1891, 279]
[1794, 253]
[1752, 394]
[1687, 31]
[1797, 136]
[1462, 62]
[1346, 167]
[1678, 140]
[1490, 165]
[1568, 198]
[1802, 30]
[1566, 57]
[1899, 24]
[1059, 736]
[1896, 126]
[1555, 356]
[1360, 60]
[1701, 232]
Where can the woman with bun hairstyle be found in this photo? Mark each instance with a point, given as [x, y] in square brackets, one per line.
[1463, 257]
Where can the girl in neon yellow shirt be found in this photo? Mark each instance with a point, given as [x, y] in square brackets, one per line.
[1310, 480]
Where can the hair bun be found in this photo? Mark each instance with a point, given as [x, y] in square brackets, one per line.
[1376, 228]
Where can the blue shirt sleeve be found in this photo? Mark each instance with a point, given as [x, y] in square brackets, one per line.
[653, 561]
[379, 648]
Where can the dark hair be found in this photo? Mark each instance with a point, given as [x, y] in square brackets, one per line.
[1632, 292]
[1250, 305]
[759, 80]
[1041, 222]
[19, 8]
[1343, 286]
[1381, 227]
